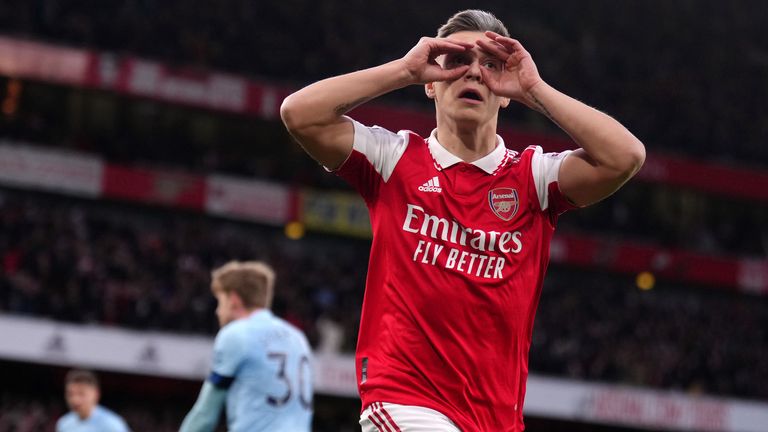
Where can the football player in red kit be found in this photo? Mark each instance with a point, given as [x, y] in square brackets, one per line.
[461, 224]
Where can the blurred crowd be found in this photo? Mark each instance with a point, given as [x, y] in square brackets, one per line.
[135, 132]
[20, 414]
[677, 218]
[39, 413]
[159, 136]
[32, 399]
[87, 262]
[601, 327]
[83, 261]
[686, 76]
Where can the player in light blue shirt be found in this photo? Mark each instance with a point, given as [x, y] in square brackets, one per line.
[86, 415]
[261, 364]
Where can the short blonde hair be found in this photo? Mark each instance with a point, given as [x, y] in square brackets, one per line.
[253, 281]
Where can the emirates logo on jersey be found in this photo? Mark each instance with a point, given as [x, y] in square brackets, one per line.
[504, 202]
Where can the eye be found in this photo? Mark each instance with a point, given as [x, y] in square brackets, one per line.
[491, 64]
[456, 60]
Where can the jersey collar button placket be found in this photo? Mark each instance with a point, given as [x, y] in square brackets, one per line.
[464, 184]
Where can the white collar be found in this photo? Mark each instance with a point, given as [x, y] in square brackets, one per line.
[489, 163]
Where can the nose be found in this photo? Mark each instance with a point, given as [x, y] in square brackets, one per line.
[474, 71]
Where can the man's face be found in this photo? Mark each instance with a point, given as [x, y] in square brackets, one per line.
[225, 309]
[468, 99]
[81, 398]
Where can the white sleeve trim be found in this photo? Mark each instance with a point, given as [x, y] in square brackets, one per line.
[382, 148]
[545, 168]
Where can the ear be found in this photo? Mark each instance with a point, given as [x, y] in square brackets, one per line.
[429, 89]
[235, 302]
[505, 102]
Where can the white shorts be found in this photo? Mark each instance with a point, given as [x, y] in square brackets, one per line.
[387, 417]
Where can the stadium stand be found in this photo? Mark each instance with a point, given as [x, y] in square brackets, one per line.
[691, 86]
[669, 70]
[146, 269]
[153, 134]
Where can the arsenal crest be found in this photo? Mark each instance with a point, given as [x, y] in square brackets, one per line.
[503, 202]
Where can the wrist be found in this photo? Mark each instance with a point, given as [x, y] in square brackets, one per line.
[535, 96]
[401, 72]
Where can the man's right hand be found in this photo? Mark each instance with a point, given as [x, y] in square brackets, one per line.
[314, 115]
[421, 61]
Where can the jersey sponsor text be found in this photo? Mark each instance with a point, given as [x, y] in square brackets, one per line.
[457, 259]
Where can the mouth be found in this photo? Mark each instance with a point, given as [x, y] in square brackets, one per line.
[471, 96]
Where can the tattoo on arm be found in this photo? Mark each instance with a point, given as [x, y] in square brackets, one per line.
[346, 107]
[542, 109]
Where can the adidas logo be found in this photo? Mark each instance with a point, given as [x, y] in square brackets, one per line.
[433, 185]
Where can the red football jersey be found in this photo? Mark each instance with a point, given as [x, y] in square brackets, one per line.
[456, 268]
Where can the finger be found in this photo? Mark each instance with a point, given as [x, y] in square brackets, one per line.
[489, 81]
[466, 45]
[435, 52]
[494, 48]
[496, 36]
[512, 45]
[492, 34]
[493, 84]
[444, 46]
[451, 74]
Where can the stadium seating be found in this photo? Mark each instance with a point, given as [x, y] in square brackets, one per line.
[687, 84]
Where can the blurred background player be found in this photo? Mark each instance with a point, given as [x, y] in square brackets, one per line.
[82, 394]
[462, 223]
[261, 363]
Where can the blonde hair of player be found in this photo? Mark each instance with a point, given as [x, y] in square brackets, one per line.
[242, 287]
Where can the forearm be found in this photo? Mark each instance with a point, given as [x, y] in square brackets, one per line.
[204, 415]
[607, 142]
[198, 420]
[324, 102]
